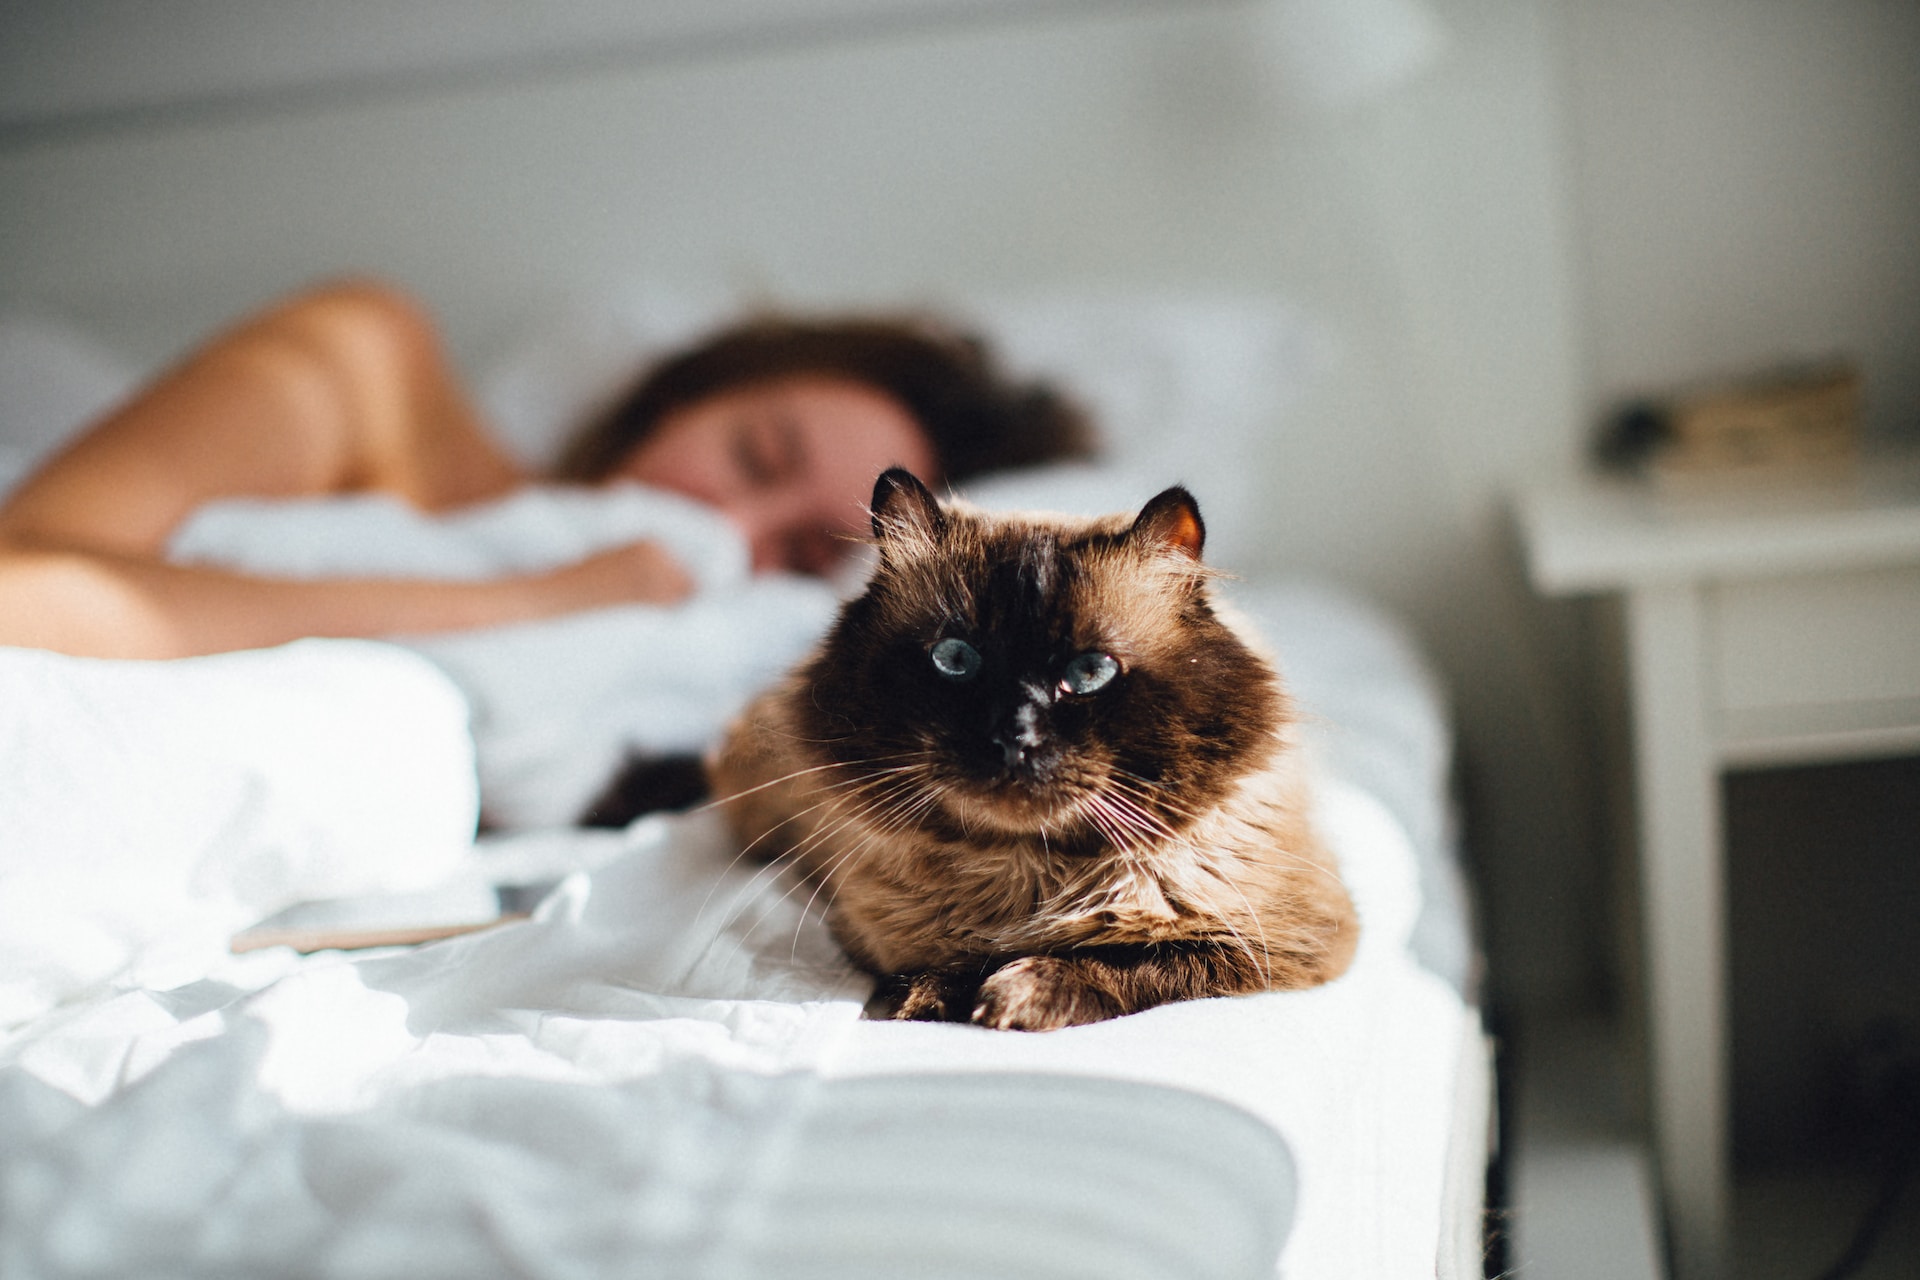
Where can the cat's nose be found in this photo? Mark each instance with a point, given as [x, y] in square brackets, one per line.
[1013, 751]
[1020, 736]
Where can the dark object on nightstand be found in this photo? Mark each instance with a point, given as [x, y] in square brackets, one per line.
[1630, 436]
[1782, 425]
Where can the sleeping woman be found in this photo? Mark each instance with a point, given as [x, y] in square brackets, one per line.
[780, 425]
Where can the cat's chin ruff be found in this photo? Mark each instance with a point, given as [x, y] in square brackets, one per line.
[1011, 811]
[1249, 875]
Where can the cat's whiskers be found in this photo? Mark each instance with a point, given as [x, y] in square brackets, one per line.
[1119, 806]
[892, 818]
[1295, 861]
[877, 798]
[877, 808]
[1264, 957]
[844, 784]
[1144, 818]
[829, 876]
[1287, 857]
[1152, 792]
[1096, 815]
[744, 792]
[771, 867]
[844, 860]
[820, 884]
[906, 816]
[752, 891]
[790, 860]
[868, 793]
[749, 847]
[1138, 838]
[1126, 827]
[774, 864]
[823, 874]
[781, 731]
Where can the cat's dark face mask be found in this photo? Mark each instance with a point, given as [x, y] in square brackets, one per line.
[1021, 676]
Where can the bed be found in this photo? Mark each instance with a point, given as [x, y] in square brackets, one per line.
[626, 1052]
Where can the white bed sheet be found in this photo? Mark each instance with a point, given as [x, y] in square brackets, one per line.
[618, 1085]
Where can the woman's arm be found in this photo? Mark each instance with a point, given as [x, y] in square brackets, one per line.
[107, 604]
[344, 388]
[341, 389]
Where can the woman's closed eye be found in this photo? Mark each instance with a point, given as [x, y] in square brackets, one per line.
[768, 449]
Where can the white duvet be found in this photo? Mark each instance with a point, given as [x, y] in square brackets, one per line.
[665, 1073]
[556, 704]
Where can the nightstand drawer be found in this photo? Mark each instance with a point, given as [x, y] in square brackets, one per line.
[1810, 641]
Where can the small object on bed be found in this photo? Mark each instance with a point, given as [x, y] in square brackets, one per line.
[466, 905]
[308, 941]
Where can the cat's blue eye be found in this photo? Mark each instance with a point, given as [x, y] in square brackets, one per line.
[1089, 673]
[955, 659]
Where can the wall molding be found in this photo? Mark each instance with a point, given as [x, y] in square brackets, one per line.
[70, 66]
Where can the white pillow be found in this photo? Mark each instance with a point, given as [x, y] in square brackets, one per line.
[1185, 388]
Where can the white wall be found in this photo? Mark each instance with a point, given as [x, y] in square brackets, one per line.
[1747, 188]
[1499, 247]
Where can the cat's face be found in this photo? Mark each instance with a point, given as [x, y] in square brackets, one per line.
[1039, 674]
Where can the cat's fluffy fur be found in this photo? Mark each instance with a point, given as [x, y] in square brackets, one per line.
[1001, 847]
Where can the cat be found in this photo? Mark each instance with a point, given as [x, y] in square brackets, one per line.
[1039, 776]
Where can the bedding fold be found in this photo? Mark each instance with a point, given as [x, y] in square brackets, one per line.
[693, 1171]
[150, 809]
[557, 703]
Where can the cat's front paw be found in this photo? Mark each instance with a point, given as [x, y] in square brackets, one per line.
[924, 997]
[1042, 993]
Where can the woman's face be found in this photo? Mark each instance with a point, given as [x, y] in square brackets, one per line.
[791, 462]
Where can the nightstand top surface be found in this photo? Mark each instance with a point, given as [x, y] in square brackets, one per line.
[1607, 534]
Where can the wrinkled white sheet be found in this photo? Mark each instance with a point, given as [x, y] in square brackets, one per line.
[558, 704]
[666, 1074]
[147, 810]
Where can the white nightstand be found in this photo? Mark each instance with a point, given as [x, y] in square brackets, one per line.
[1761, 628]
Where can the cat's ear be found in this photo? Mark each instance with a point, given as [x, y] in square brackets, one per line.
[1171, 521]
[902, 505]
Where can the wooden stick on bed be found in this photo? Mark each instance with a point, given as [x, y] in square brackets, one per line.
[307, 941]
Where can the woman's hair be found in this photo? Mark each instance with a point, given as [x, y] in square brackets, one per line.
[975, 416]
